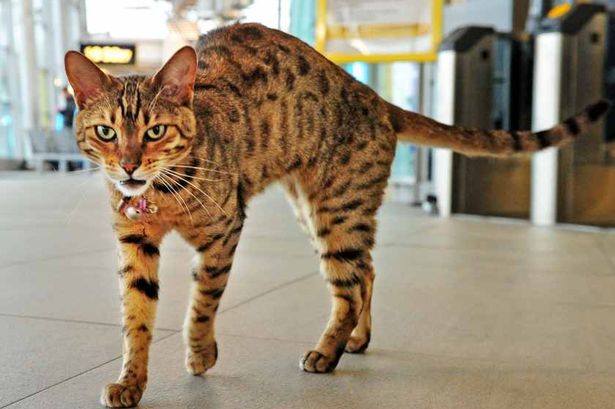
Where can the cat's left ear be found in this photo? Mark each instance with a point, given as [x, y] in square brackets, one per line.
[176, 78]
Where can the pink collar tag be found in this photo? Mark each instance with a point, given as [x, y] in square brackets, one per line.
[135, 212]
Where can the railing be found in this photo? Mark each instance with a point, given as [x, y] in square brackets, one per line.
[45, 146]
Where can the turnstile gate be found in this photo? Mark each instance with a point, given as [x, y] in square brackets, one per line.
[484, 80]
[575, 67]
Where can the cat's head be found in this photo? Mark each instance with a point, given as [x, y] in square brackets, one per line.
[134, 126]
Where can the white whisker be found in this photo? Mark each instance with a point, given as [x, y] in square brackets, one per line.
[205, 169]
[193, 177]
[73, 172]
[76, 172]
[152, 104]
[70, 215]
[193, 195]
[200, 190]
[177, 196]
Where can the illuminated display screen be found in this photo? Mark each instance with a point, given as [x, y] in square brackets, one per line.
[123, 54]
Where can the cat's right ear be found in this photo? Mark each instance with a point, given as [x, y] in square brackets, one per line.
[88, 81]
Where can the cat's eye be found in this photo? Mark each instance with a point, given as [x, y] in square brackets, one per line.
[105, 133]
[155, 132]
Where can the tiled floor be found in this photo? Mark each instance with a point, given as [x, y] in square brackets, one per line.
[468, 313]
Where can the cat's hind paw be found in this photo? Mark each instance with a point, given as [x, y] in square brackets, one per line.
[116, 395]
[199, 362]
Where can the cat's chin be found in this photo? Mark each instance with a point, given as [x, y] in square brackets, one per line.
[132, 190]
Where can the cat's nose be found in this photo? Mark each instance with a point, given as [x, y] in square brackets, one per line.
[129, 165]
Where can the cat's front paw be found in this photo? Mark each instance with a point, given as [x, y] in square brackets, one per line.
[199, 362]
[316, 362]
[116, 395]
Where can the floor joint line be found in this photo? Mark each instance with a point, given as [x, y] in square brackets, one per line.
[74, 321]
[279, 287]
[78, 375]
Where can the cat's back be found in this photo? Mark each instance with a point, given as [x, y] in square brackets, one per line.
[251, 56]
[252, 43]
[244, 34]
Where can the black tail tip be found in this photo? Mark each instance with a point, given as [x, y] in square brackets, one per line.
[597, 110]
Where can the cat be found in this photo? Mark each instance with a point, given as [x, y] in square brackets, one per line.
[187, 148]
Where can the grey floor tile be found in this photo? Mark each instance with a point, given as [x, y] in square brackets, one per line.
[517, 387]
[36, 354]
[21, 246]
[468, 313]
[599, 337]
[498, 234]
[481, 312]
[85, 287]
[263, 373]
[256, 373]
[404, 319]
[53, 201]
[606, 243]
[469, 253]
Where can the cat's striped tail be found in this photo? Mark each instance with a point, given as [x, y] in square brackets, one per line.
[418, 129]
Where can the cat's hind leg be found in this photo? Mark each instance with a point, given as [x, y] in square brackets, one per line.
[362, 333]
[300, 206]
[343, 215]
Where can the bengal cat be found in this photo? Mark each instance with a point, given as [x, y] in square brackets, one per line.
[187, 148]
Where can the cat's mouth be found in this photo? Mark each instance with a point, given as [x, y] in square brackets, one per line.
[132, 186]
[133, 183]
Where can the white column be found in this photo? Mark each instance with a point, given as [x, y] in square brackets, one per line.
[58, 12]
[47, 65]
[445, 113]
[14, 80]
[546, 113]
[23, 26]
[421, 163]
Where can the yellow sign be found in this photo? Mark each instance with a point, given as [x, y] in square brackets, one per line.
[559, 11]
[109, 53]
[379, 30]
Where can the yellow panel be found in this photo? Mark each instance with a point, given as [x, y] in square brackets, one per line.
[323, 33]
[321, 25]
[381, 58]
[378, 31]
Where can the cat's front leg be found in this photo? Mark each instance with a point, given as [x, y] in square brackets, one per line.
[216, 247]
[138, 276]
